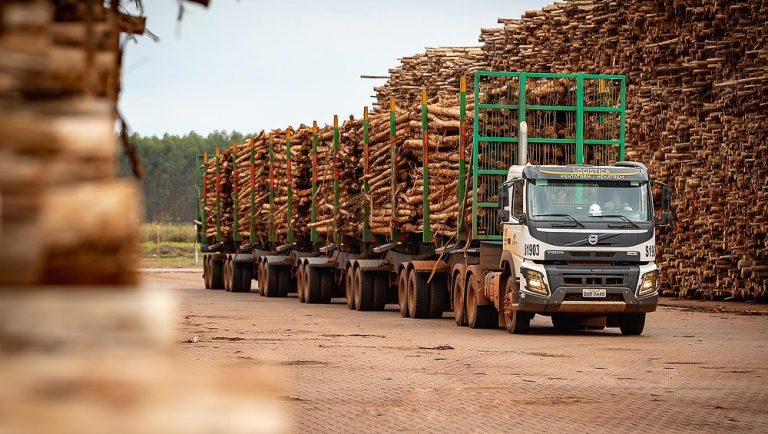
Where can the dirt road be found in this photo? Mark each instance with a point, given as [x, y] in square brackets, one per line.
[353, 371]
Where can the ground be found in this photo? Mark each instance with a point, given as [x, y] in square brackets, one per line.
[693, 369]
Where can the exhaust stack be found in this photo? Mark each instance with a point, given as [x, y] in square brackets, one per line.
[522, 144]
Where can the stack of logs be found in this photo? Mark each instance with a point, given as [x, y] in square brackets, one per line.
[696, 115]
[438, 70]
[443, 133]
[343, 164]
[383, 216]
[293, 171]
[218, 196]
[253, 188]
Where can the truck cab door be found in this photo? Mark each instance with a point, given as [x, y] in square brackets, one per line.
[514, 225]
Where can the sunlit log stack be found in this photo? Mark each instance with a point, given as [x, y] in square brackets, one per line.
[386, 213]
[437, 69]
[696, 114]
[253, 186]
[291, 167]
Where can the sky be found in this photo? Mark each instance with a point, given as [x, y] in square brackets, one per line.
[249, 65]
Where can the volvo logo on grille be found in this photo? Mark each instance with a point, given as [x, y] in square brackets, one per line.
[593, 239]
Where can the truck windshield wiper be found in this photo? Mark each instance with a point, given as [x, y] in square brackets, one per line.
[560, 215]
[623, 217]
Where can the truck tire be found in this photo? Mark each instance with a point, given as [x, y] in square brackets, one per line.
[313, 288]
[402, 292]
[327, 285]
[207, 271]
[516, 322]
[632, 324]
[227, 275]
[349, 287]
[363, 290]
[217, 274]
[380, 286]
[287, 281]
[262, 275]
[301, 283]
[478, 316]
[271, 281]
[418, 295]
[437, 292]
[459, 302]
[242, 274]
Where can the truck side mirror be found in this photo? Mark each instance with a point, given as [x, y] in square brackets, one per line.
[502, 216]
[666, 197]
[666, 218]
[503, 195]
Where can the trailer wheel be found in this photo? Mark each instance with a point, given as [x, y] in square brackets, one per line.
[242, 274]
[632, 324]
[478, 316]
[516, 322]
[363, 290]
[313, 286]
[206, 272]
[217, 274]
[380, 286]
[301, 283]
[402, 292]
[418, 295]
[437, 295]
[271, 281]
[286, 281]
[349, 287]
[327, 285]
[227, 274]
[262, 278]
[459, 302]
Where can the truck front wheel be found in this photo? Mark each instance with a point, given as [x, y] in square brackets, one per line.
[516, 322]
[632, 324]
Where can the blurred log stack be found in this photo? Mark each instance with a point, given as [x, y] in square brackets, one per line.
[64, 215]
[97, 359]
[697, 115]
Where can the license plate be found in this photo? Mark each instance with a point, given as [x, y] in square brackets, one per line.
[593, 293]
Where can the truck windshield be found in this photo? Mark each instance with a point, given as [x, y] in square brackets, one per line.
[585, 200]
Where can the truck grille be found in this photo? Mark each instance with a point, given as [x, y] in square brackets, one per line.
[582, 280]
[579, 297]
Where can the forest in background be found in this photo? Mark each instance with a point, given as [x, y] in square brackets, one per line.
[169, 183]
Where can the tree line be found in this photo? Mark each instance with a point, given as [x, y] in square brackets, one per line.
[170, 183]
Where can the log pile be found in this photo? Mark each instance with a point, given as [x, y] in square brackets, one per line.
[387, 213]
[252, 187]
[443, 133]
[65, 217]
[351, 162]
[437, 69]
[218, 197]
[696, 115]
[291, 167]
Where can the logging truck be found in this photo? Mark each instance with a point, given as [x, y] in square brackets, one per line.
[551, 220]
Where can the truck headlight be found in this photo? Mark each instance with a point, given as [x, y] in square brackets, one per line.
[534, 281]
[648, 285]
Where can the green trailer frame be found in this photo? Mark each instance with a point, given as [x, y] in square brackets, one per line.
[489, 178]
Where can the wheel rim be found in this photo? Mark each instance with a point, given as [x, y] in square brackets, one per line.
[411, 287]
[356, 289]
[471, 303]
[300, 283]
[402, 293]
[350, 287]
[227, 275]
[459, 307]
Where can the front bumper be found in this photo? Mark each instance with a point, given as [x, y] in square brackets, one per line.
[569, 300]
